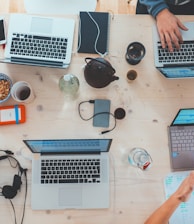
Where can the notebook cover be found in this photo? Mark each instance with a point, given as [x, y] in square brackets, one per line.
[88, 32]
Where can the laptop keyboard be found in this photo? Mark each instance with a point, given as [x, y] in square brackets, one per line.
[184, 54]
[70, 171]
[182, 139]
[38, 46]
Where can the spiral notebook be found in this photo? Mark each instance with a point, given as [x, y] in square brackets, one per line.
[93, 32]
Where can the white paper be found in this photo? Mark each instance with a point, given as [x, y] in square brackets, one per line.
[184, 214]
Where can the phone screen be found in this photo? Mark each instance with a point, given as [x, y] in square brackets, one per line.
[2, 32]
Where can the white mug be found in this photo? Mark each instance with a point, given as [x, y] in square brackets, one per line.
[22, 92]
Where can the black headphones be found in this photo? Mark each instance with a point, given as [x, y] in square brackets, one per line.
[10, 191]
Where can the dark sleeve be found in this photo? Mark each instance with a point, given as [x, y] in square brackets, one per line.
[154, 6]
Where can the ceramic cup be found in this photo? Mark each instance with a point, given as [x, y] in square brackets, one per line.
[22, 92]
[135, 53]
[131, 75]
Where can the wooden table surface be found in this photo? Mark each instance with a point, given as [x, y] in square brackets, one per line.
[150, 102]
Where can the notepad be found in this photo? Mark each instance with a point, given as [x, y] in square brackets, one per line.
[93, 32]
[184, 213]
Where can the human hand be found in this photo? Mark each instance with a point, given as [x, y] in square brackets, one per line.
[169, 29]
[185, 189]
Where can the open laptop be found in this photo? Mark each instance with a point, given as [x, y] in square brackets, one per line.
[181, 140]
[180, 63]
[74, 173]
[41, 41]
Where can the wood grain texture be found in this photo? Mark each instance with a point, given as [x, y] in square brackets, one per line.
[114, 6]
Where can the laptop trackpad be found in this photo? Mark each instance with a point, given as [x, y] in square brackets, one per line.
[41, 25]
[70, 196]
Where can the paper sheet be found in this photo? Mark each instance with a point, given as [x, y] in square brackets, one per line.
[184, 214]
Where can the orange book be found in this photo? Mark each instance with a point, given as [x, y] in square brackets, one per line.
[14, 114]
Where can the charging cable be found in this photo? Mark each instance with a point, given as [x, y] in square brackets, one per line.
[87, 119]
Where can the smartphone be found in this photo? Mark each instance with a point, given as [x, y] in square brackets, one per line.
[101, 113]
[2, 31]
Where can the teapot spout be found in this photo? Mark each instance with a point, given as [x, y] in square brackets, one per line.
[114, 78]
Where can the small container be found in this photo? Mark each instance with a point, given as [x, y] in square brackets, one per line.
[135, 53]
[69, 85]
[22, 92]
[140, 158]
[131, 75]
[5, 87]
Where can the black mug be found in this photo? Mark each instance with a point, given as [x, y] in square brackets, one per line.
[135, 52]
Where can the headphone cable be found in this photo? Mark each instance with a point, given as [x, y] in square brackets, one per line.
[13, 210]
[24, 206]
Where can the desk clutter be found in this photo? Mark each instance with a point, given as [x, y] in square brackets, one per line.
[99, 73]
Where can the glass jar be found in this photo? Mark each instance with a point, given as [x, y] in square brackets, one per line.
[140, 158]
[69, 85]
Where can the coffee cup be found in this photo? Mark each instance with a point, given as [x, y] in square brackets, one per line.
[22, 92]
[135, 53]
[131, 75]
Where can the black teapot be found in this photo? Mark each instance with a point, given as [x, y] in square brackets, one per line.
[98, 72]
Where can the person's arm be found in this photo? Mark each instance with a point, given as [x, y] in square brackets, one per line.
[153, 6]
[169, 29]
[164, 212]
[168, 24]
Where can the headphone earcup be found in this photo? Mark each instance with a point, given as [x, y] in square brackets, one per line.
[9, 192]
[17, 182]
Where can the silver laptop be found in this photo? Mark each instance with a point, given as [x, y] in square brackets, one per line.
[41, 41]
[181, 140]
[70, 173]
[180, 63]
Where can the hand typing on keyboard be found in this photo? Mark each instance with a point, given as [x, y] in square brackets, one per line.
[169, 29]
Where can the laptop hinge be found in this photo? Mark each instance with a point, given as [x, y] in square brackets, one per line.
[179, 65]
[36, 62]
[69, 153]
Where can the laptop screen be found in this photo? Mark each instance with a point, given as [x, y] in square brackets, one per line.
[184, 117]
[69, 145]
[177, 72]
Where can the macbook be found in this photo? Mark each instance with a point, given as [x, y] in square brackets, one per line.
[70, 173]
[181, 140]
[179, 63]
[41, 41]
